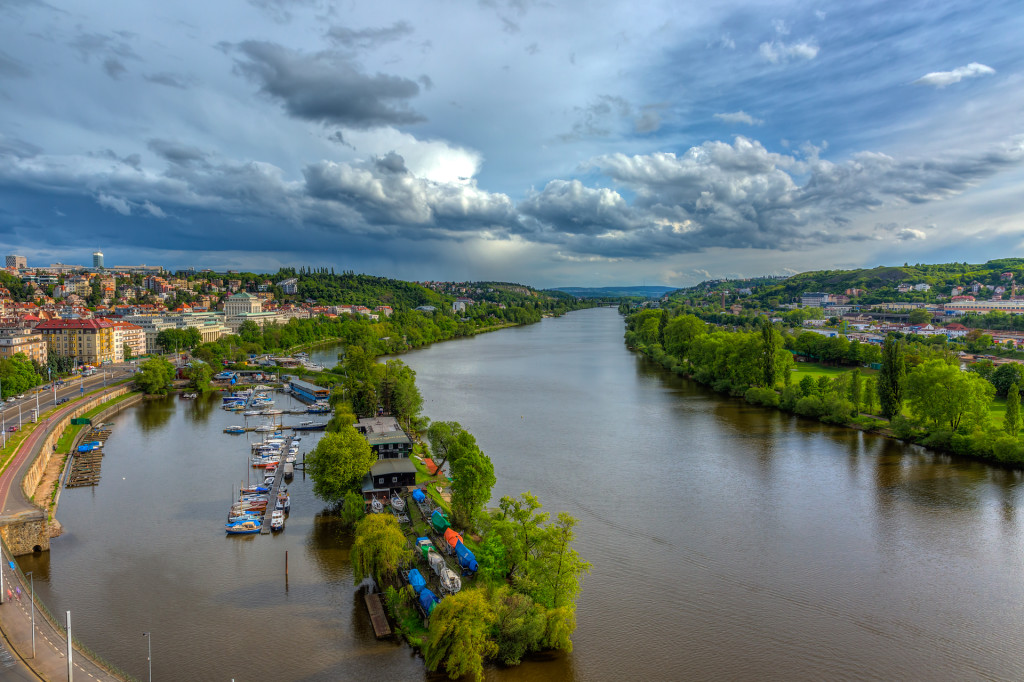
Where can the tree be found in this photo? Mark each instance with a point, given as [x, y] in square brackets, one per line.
[443, 436]
[769, 345]
[459, 634]
[557, 570]
[943, 395]
[127, 351]
[855, 389]
[353, 508]
[1011, 420]
[17, 375]
[919, 316]
[1005, 376]
[378, 548]
[890, 378]
[519, 526]
[519, 624]
[680, 333]
[338, 463]
[250, 332]
[155, 376]
[199, 375]
[977, 341]
[472, 480]
[807, 385]
[870, 394]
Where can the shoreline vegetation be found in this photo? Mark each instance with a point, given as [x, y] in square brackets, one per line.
[919, 395]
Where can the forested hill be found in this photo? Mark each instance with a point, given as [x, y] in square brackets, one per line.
[654, 291]
[348, 288]
[877, 284]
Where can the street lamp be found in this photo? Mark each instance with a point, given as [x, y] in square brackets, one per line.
[32, 606]
[149, 653]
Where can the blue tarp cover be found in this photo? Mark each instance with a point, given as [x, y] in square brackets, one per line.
[466, 558]
[418, 495]
[417, 581]
[427, 600]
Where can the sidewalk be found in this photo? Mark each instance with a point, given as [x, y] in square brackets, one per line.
[50, 662]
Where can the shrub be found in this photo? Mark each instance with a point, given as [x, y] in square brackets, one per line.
[837, 409]
[940, 439]
[790, 395]
[722, 386]
[1008, 449]
[762, 396]
[809, 406]
[902, 427]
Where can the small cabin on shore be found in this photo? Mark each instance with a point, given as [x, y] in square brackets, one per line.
[388, 475]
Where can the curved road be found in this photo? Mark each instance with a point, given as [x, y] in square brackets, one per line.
[16, 503]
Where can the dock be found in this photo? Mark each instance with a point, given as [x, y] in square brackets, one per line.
[377, 617]
[272, 500]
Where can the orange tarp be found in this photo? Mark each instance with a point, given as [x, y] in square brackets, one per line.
[452, 538]
[431, 467]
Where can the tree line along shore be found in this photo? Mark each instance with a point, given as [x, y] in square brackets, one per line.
[911, 388]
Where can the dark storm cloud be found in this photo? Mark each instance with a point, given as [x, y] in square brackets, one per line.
[716, 195]
[175, 152]
[367, 38]
[327, 86]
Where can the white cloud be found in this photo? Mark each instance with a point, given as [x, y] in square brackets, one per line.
[739, 117]
[910, 234]
[114, 203]
[778, 51]
[153, 209]
[941, 79]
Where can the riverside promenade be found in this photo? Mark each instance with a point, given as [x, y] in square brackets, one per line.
[50, 661]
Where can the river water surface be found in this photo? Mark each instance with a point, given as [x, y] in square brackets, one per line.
[727, 541]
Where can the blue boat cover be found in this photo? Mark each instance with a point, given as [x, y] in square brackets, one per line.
[427, 600]
[418, 495]
[417, 581]
[466, 558]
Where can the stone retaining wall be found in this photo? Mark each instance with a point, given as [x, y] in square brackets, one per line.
[35, 471]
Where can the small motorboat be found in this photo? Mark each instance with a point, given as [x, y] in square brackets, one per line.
[266, 428]
[284, 502]
[247, 527]
[277, 520]
[252, 413]
[234, 429]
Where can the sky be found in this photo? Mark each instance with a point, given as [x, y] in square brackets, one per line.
[550, 143]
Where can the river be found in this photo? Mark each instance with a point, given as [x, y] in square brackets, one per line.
[727, 541]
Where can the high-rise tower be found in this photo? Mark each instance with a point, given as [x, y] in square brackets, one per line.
[97, 259]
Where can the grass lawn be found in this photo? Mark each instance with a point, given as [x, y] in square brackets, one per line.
[815, 370]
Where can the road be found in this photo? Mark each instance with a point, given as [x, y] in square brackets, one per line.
[20, 411]
[49, 662]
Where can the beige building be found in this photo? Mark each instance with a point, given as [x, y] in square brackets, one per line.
[89, 342]
[242, 303]
[132, 335]
[14, 341]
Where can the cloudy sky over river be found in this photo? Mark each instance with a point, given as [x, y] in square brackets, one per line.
[549, 143]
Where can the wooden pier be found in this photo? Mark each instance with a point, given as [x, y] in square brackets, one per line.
[272, 500]
[377, 617]
[85, 466]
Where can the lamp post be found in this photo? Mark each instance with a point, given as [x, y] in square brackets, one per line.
[32, 606]
[149, 653]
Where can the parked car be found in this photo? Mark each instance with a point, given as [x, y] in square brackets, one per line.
[11, 399]
[62, 401]
[12, 429]
[21, 396]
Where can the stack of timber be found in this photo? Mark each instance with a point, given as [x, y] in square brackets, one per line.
[85, 469]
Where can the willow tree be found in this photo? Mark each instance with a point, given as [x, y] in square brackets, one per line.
[460, 634]
[379, 547]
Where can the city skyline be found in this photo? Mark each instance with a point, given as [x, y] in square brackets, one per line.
[590, 145]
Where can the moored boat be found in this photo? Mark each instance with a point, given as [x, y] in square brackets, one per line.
[234, 429]
[277, 520]
[247, 527]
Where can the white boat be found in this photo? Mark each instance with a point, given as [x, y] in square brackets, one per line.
[252, 413]
[266, 428]
[376, 507]
[397, 503]
[277, 520]
[269, 412]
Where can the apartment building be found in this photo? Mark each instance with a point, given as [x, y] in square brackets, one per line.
[89, 342]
